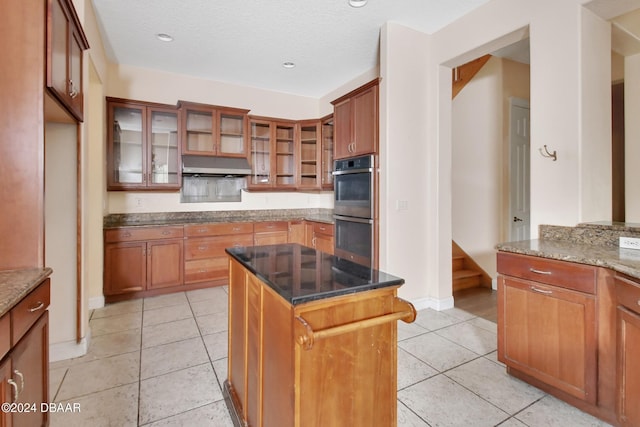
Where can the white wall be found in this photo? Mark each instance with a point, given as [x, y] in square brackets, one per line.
[560, 51]
[477, 147]
[632, 137]
[61, 229]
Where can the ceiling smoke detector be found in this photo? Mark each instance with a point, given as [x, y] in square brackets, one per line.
[288, 64]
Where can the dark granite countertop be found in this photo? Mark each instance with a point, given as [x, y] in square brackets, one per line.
[590, 243]
[16, 284]
[183, 218]
[300, 274]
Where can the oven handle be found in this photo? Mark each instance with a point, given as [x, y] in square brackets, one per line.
[350, 171]
[353, 219]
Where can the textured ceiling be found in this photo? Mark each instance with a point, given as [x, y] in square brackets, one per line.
[246, 42]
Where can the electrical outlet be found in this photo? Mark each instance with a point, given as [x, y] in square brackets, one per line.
[402, 205]
[630, 242]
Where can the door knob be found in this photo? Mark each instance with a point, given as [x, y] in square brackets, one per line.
[516, 219]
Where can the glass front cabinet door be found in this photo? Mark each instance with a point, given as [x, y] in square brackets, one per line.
[213, 131]
[143, 150]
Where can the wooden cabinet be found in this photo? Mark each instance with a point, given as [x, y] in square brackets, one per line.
[327, 153]
[273, 154]
[547, 322]
[143, 149]
[271, 232]
[355, 119]
[213, 130]
[310, 164]
[141, 259]
[24, 370]
[205, 259]
[297, 232]
[628, 348]
[65, 45]
[319, 236]
[329, 362]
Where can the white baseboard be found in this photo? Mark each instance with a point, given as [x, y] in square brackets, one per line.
[96, 302]
[436, 304]
[69, 349]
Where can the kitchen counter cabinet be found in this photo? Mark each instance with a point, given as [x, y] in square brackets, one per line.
[271, 233]
[24, 362]
[312, 339]
[142, 259]
[628, 348]
[205, 258]
[548, 331]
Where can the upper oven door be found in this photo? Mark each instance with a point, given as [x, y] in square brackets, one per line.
[353, 192]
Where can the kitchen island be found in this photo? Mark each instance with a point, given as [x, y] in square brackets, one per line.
[312, 339]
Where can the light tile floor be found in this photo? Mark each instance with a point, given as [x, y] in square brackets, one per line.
[161, 361]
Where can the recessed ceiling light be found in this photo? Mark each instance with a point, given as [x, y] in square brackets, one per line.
[288, 64]
[357, 3]
[164, 37]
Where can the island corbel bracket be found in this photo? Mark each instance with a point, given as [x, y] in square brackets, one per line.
[405, 311]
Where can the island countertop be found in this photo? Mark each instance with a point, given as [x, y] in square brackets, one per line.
[301, 274]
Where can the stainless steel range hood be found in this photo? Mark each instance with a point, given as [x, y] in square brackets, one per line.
[215, 166]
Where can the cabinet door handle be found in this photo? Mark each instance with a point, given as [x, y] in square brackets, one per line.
[540, 291]
[19, 374]
[533, 270]
[73, 92]
[36, 307]
[14, 386]
[313, 242]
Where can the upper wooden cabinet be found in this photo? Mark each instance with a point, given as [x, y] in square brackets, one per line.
[143, 150]
[326, 152]
[213, 131]
[65, 43]
[355, 119]
[310, 164]
[273, 154]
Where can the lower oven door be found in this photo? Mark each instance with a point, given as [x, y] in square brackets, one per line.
[354, 239]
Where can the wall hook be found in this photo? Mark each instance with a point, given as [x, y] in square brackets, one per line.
[546, 153]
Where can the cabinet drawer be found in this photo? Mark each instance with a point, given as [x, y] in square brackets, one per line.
[568, 275]
[628, 293]
[200, 270]
[5, 335]
[270, 226]
[28, 310]
[143, 233]
[197, 230]
[322, 228]
[214, 246]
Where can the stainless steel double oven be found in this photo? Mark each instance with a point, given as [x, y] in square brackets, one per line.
[354, 209]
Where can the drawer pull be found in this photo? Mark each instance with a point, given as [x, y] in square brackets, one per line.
[236, 228]
[203, 248]
[36, 307]
[202, 230]
[166, 232]
[540, 291]
[533, 270]
[126, 234]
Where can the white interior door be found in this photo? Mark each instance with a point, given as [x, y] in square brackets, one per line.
[519, 176]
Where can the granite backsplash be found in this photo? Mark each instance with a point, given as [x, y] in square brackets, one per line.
[591, 233]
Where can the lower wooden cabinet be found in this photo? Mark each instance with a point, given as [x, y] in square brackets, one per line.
[205, 258]
[142, 259]
[321, 236]
[271, 233]
[628, 349]
[547, 328]
[24, 370]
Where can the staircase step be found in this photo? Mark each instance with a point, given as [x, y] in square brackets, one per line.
[464, 279]
[457, 263]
